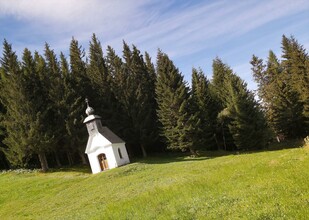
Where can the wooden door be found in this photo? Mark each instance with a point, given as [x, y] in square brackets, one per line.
[103, 161]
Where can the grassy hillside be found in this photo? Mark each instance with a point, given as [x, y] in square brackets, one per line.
[265, 185]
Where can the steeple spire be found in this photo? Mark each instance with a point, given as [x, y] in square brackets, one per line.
[89, 110]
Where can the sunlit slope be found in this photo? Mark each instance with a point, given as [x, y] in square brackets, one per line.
[264, 185]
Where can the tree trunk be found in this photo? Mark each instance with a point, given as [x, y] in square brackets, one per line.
[215, 137]
[43, 161]
[130, 151]
[222, 128]
[57, 159]
[82, 156]
[193, 152]
[143, 150]
[69, 156]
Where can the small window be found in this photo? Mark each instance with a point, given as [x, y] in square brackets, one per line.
[119, 152]
[92, 126]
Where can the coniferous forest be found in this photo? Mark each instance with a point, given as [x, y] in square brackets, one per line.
[145, 102]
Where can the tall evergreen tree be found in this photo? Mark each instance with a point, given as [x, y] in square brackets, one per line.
[79, 88]
[268, 77]
[242, 122]
[206, 107]
[70, 111]
[102, 97]
[121, 123]
[12, 97]
[174, 113]
[135, 93]
[40, 138]
[280, 99]
[222, 73]
[295, 66]
[27, 113]
[247, 123]
[55, 90]
[4, 163]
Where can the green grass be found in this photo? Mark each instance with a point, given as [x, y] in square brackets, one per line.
[263, 185]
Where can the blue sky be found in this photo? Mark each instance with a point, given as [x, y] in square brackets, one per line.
[192, 33]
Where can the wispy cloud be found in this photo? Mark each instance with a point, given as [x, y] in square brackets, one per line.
[203, 26]
[182, 29]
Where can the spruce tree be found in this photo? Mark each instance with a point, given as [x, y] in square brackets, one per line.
[206, 107]
[78, 88]
[247, 124]
[243, 125]
[174, 113]
[102, 97]
[55, 90]
[4, 163]
[222, 73]
[295, 66]
[121, 124]
[28, 112]
[288, 119]
[71, 105]
[267, 77]
[280, 99]
[40, 137]
[135, 93]
[12, 98]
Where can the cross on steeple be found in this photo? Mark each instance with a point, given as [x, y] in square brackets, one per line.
[89, 110]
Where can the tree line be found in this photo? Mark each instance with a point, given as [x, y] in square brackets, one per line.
[148, 105]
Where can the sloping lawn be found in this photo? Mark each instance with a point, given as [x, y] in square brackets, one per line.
[265, 185]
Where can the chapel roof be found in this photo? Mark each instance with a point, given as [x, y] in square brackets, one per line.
[110, 136]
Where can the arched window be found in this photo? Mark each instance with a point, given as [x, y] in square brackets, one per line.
[119, 152]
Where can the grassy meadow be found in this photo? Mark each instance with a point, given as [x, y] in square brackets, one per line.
[259, 185]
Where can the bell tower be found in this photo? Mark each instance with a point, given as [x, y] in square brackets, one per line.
[93, 122]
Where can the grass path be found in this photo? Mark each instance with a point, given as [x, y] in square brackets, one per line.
[265, 185]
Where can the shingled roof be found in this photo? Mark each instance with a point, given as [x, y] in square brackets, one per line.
[110, 136]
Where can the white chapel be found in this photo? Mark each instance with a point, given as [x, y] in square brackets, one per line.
[105, 150]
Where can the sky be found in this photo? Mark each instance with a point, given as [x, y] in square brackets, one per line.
[192, 33]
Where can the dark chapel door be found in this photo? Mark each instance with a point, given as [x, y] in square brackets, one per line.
[103, 162]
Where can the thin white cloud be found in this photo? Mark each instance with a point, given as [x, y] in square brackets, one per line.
[111, 17]
[184, 31]
[150, 24]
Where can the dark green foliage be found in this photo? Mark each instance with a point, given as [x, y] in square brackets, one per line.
[295, 66]
[55, 88]
[222, 74]
[11, 97]
[27, 110]
[288, 118]
[269, 91]
[247, 123]
[205, 105]
[102, 98]
[135, 94]
[121, 123]
[174, 113]
[42, 102]
[241, 122]
[98, 75]
[283, 89]
[77, 87]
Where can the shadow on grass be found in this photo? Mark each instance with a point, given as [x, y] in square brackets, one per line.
[171, 157]
[77, 168]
